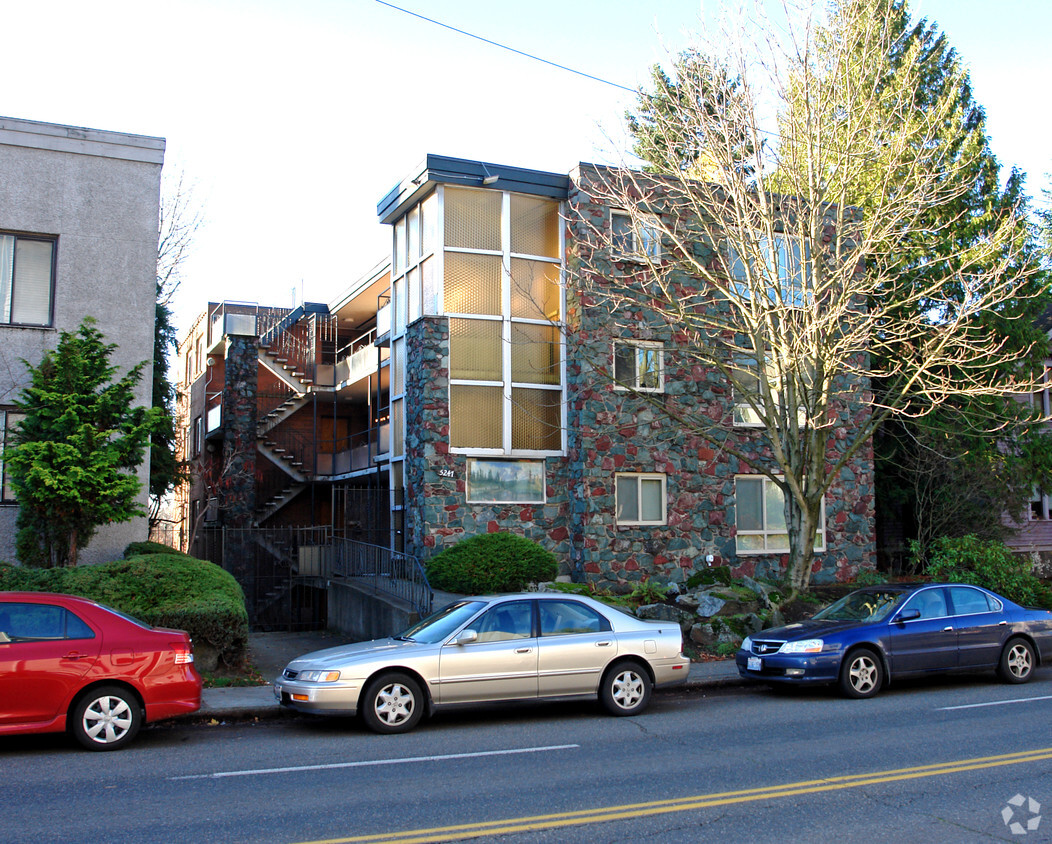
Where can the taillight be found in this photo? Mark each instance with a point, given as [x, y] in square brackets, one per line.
[184, 654]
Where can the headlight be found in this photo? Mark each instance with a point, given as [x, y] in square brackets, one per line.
[747, 644]
[803, 646]
[319, 676]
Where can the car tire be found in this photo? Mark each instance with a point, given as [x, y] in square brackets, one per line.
[1017, 661]
[106, 718]
[861, 674]
[625, 689]
[392, 703]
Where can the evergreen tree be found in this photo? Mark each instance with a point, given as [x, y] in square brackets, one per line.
[957, 470]
[164, 468]
[75, 451]
[668, 143]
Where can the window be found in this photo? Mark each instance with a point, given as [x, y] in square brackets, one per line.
[562, 618]
[639, 365]
[786, 261]
[502, 292]
[512, 620]
[1039, 506]
[9, 420]
[639, 240]
[760, 517]
[640, 499]
[197, 437]
[745, 415]
[41, 621]
[27, 268]
[931, 603]
[969, 601]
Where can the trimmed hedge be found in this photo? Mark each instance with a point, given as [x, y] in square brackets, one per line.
[491, 562]
[162, 589]
[151, 547]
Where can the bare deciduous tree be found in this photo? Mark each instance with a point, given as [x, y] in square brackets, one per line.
[779, 282]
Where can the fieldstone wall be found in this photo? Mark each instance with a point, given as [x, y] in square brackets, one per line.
[610, 431]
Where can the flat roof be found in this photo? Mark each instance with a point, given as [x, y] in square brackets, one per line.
[56, 137]
[440, 169]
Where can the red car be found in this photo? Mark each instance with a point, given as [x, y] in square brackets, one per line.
[68, 663]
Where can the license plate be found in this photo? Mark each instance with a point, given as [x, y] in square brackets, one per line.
[755, 663]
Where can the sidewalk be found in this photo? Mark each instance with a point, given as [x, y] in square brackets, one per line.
[271, 652]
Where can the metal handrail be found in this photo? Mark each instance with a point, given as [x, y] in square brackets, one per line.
[391, 572]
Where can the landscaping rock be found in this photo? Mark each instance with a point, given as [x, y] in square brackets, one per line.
[709, 604]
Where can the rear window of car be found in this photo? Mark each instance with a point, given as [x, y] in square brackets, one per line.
[37, 622]
[968, 601]
[559, 618]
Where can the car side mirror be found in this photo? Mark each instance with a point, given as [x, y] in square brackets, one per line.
[908, 615]
[466, 637]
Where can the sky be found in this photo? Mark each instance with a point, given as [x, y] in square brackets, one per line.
[292, 119]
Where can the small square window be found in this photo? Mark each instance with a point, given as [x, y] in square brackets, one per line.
[641, 499]
[639, 365]
[759, 513]
[638, 239]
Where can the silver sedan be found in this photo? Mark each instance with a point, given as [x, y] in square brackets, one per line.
[508, 647]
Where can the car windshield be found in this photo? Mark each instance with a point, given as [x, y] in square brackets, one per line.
[439, 625]
[865, 605]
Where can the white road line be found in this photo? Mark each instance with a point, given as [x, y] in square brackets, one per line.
[373, 762]
[993, 703]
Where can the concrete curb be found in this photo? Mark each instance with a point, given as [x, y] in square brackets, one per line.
[257, 702]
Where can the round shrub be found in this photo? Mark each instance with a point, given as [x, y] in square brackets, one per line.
[491, 562]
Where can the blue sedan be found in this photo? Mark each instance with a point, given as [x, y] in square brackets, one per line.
[873, 635]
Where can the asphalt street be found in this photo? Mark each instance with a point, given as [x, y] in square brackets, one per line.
[939, 761]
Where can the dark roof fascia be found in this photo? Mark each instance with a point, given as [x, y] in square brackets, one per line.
[443, 170]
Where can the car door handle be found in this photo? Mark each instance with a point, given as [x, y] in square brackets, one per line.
[1002, 624]
[74, 655]
[603, 644]
[947, 629]
[523, 650]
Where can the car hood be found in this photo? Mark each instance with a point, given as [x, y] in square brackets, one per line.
[352, 653]
[809, 629]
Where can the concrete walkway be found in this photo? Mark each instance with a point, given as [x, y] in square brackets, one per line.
[269, 653]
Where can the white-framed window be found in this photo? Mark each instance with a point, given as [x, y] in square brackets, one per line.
[9, 420]
[745, 414]
[639, 365]
[783, 267]
[637, 239]
[641, 498]
[27, 273]
[760, 517]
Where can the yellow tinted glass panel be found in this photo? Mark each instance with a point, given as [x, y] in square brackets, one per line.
[536, 419]
[472, 284]
[534, 289]
[534, 353]
[475, 349]
[476, 416]
[534, 226]
[473, 218]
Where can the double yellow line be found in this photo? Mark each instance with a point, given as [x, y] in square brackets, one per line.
[685, 804]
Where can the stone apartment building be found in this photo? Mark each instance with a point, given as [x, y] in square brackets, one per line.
[474, 385]
[78, 237]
